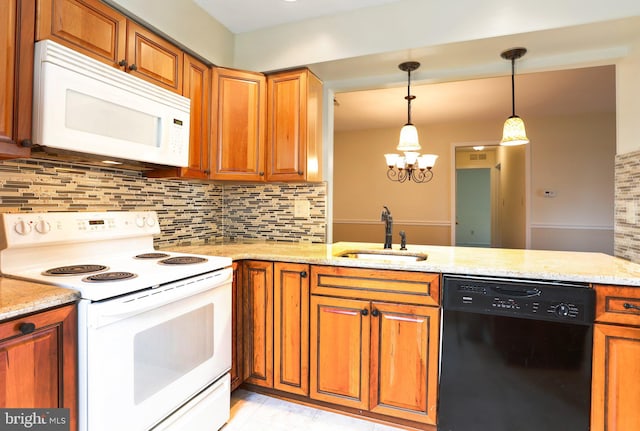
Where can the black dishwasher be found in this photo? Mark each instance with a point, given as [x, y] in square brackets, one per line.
[516, 355]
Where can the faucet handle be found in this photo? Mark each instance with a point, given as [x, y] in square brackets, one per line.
[403, 240]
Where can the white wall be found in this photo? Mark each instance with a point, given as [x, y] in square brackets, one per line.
[409, 24]
[628, 101]
[186, 23]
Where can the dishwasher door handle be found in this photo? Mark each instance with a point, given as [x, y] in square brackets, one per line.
[516, 292]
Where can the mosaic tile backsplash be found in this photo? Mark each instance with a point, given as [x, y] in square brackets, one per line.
[190, 212]
[627, 207]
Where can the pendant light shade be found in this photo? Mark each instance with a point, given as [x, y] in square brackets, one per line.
[513, 132]
[408, 139]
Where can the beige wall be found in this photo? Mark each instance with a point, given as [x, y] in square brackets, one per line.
[573, 156]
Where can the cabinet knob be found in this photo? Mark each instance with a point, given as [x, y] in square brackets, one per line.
[122, 63]
[261, 174]
[375, 312]
[303, 274]
[207, 171]
[300, 173]
[27, 327]
[133, 67]
[28, 143]
[631, 306]
[364, 312]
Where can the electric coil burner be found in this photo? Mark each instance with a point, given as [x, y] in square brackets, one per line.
[183, 260]
[109, 276]
[151, 256]
[74, 270]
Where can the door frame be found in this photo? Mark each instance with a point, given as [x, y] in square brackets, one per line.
[527, 187]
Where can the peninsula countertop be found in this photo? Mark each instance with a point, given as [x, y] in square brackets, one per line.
[587, 267]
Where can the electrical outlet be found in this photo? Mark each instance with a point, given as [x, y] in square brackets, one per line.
[549, 194]
[302, 208]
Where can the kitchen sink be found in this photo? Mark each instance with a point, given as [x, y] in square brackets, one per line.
[388, 255]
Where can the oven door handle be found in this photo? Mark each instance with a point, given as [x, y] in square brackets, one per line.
[113, 311]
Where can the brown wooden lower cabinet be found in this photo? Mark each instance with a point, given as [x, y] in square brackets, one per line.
[615, 391]
[616, 378]
[237, 317]
[379, 356]
[360, 339]
[276, 316]
[38, 368]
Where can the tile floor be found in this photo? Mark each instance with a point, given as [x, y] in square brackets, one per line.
[252, 412]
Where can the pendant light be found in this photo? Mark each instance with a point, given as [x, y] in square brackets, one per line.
[513, 132]
[412, 166]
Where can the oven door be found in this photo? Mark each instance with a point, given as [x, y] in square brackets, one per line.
[149, 353]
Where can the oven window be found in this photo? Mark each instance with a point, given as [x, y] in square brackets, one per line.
[168, 351]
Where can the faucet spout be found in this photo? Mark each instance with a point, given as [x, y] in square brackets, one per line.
[388, 226]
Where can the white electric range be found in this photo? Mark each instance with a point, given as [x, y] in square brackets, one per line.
[154, 327]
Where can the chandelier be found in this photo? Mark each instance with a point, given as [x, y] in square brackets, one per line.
[412, 166]
[513, 132]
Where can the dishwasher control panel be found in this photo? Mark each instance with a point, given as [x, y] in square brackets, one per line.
[555, 301]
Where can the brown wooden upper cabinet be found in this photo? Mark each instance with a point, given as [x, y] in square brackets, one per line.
[98, 31]
[17, 21]
[238, 114]
[294, 117]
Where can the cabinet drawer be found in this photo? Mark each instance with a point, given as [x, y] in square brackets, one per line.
[376, 284]
[616, 304]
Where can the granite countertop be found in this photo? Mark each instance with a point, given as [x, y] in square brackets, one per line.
[19, 297]
[536, 264]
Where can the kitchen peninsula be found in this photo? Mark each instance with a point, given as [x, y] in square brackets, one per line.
[361, 334]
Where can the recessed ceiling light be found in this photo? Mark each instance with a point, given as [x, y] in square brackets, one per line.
[111, 162]
[291, 1]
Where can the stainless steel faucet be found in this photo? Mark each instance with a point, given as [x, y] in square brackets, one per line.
[388, 226]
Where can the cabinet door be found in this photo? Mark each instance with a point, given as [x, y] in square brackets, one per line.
[291, 328]
[197, 87]
[88, 26]
[238, 125]
[37, 369]
[294, 137]
[17, 20]
[404, 361]
[153, 59]
[616, 376]
[339, 333]
[257, 278]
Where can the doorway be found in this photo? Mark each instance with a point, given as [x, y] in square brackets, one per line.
[473, 207]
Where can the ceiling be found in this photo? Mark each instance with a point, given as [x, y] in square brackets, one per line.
[564, 92]
[242, 16]
[459, 81]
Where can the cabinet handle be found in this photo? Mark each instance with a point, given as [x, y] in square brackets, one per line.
[27, 143]
[631, 306]
[364, 312]
[303, 274]
[375, 312]
[27, 327]
[122, 63]
[133, 67]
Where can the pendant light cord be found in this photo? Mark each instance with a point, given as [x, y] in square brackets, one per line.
[513, 87]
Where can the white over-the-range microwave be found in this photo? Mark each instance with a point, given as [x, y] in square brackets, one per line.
[83, 105]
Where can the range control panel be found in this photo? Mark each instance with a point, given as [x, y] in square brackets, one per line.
[555, 301]
[24, 229]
